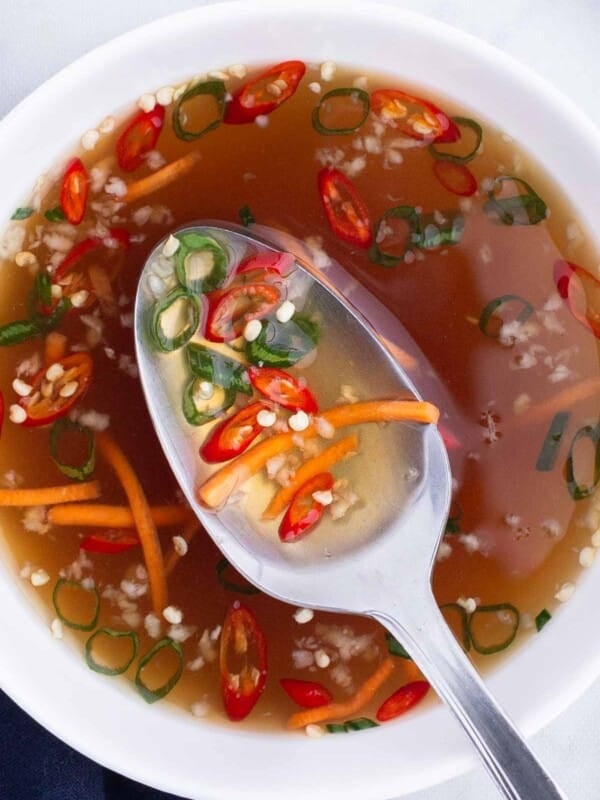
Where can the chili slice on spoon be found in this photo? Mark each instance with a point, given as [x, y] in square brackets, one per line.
[305, 511]
[282, 388]
[233, 435]
[230, 309]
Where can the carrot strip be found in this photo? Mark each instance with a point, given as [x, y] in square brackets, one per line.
[188, 533]
[348, 708]
[161, 177]
[105, 516]
[214, 492]
[314, 466]
[55, 347]
[140, 510]
[559, 402]
[50, 495]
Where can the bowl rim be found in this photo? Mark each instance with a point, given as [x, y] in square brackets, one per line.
[114, 746]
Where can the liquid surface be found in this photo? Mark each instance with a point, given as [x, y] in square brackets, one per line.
[516, 535]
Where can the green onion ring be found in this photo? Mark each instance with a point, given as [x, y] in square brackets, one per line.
[461, 122]
[166, 343]
[487, 650]
[78, 626]
[113, 634]
[577, 491]
[152, 695]
[549, 452]
[519, 209]
[495, 304]
[81, 471]
[464, 623]
[214, 88]
[340, 92]
[407, 213]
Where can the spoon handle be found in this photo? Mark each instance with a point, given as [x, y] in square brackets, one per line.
[504, 752]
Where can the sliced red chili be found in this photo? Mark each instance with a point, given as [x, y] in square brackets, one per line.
[139, 138]
[401, 701]
[304, 511]
[75, 264]
[74, 191]
[233, 435]
[230, 309]
[581, 290]
[109, 542]
[279, 263]
[242, 661]
[456, 178]
[265, 93]
[346, 212]
[412, 116]
[283, 389]
[52, 397]
[306, 694]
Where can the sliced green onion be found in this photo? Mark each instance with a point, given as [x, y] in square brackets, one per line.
[198, 410]
[395, 648]
[463, 621]
[214, 88]
[246, 216]
[179, 310]
[358, 724]
[542, 618]
[200, 262]
[576, 490]
[410, 216]
[152, 695]
[18, 331]
[86, 625]
[495, 647]
[41, 293]
[446, 155]
[282, 344]
[78, 472]
[489, 312]
[22, 213]
[549, 452]
[112, 634]
[519, 209]
[356, 95]
[55, 214]
[212, 366]
[435, 234]
[454, 518]
[222, 567]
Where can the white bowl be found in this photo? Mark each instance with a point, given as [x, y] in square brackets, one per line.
[107, 720]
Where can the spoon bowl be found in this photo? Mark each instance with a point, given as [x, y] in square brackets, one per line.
[380, 563]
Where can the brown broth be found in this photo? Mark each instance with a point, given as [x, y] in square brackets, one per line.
[439, 297]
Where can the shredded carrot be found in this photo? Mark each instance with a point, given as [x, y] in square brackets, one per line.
[348, 708]
[162, 177]
[55, 347]
[558, 402]
[105, 516]
[187, 534]
[102, 289]
[142, 516]
[314, 466]
[50, 495]
[215, 491]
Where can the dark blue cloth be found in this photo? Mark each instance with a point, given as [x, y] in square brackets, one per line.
[34, 765]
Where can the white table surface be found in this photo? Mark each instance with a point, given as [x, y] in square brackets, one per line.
[559, 40]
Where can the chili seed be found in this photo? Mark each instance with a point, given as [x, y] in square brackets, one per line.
[69, 389]
[17, 414]
[54, 372]
[21, 388]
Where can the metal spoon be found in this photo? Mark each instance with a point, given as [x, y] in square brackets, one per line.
[381, 567]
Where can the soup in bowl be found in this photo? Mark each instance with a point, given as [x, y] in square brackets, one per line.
[434, 184]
